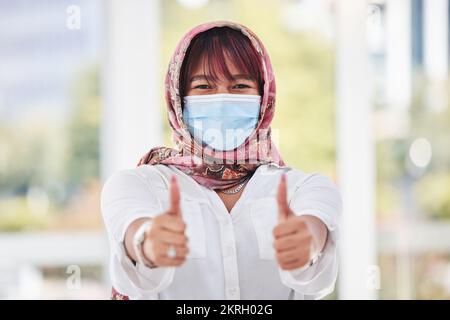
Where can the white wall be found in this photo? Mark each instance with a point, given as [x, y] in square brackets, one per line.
[355, 153]
[131, 122]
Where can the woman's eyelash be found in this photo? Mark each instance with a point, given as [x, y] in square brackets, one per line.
[202, 86]
[239, 86]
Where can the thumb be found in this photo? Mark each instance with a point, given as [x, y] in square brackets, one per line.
[174, 193]
[283, 207]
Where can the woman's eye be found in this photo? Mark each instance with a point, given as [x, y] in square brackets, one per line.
[202, 86]
[242, 86]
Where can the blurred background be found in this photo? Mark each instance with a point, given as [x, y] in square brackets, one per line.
[363, 96]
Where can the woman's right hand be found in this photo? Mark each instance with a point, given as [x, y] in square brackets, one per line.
[167, 229]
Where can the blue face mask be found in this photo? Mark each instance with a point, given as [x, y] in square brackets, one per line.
[222, 121]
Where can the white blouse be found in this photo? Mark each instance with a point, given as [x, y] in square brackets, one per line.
[231, 255]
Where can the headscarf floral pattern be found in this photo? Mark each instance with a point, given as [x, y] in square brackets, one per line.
[210, 168]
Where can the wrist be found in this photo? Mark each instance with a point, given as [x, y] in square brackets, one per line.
[318, 231]
[138, 244]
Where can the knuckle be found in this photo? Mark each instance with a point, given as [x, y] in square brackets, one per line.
[282, 225]
[306, 238]
[152, 247]
[159, 219]
[300, 221]
[279, 256]
[289, 256]
[153, 228]
[276, 245]
[152, 234]
[277, 230]
[157, 257]
[177, 240]
[157, 250]
[284, 266]
[291, 244]
[290, 267]
[179, 223]
[303, 261]
[302, 254]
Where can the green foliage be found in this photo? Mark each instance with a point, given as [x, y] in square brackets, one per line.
[390, 159]
[31, 153]
[432, 192]
[45, 151]
[83, 129]
[431, 187]
[15, 215]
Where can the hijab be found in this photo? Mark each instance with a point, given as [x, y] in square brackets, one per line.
[208, 167]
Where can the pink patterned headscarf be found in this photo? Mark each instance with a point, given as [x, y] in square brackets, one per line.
[210, 168]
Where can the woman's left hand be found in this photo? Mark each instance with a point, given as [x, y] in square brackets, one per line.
[294, 242]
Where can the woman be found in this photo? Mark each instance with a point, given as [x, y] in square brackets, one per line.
[220, 216]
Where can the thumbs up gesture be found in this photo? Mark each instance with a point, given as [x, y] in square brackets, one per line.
[293, 240]
[165, 242]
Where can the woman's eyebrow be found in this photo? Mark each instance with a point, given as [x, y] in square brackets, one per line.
[242, 76]
[210, 78]
[201, 77]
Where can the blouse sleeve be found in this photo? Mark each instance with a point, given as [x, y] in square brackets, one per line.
[127, 196]
[317, 196]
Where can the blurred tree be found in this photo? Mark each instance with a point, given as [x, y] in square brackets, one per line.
[430, 186]
[56, 157]
[31, 156]
[82, 156]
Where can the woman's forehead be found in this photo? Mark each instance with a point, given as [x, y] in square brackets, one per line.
[204, 70]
